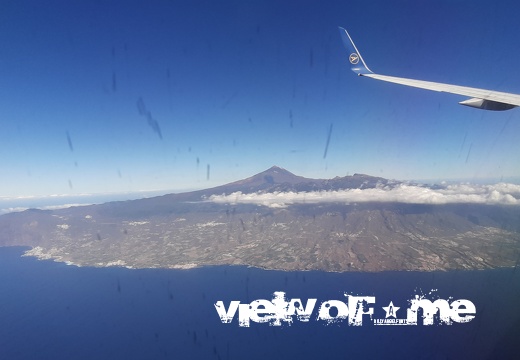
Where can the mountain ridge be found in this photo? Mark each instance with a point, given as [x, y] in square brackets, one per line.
[279, 179]
[273, 179]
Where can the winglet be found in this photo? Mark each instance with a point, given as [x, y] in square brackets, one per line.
[357, 63]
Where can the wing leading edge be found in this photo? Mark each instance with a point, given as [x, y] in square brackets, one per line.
[479, 98]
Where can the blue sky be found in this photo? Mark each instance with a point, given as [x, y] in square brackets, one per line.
[152, 94]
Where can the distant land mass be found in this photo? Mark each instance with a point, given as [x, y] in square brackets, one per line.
[277, 220]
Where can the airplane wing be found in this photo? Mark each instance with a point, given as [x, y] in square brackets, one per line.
[479, 98]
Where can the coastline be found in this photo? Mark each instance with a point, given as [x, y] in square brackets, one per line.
[39, 253]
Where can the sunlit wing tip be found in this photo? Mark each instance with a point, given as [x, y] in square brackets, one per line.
[356, 60]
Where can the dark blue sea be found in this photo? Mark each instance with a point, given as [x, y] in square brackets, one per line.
[49, 310]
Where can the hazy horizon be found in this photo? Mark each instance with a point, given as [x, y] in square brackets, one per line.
[57, 201]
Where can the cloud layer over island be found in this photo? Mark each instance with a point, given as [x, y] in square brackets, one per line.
[497, 194]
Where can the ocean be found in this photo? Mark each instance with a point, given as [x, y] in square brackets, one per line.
[55, 311]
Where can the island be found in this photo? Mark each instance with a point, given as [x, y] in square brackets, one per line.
[276, 220]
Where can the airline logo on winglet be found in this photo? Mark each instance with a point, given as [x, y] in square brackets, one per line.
[353, 58]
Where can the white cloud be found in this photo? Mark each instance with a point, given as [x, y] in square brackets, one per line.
[12, 209]
[411, 194]
[49, 207]
[63, 206]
